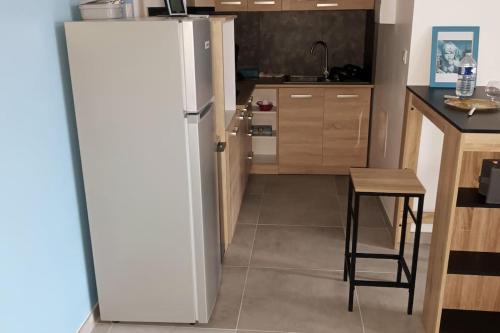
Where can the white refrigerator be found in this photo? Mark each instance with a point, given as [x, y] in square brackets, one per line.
[143, 97]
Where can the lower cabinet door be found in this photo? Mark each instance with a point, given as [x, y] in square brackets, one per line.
[346, 127]
[246, 147]
[300, 129]
[234, 177]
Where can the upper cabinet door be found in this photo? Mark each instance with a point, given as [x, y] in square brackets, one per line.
[264, 5]
[346, 127]
[231, 5]
[327, 4]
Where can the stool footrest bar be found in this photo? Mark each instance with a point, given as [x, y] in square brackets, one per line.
[375, 255]
[383, 284]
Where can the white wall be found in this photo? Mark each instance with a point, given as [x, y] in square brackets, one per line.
[429, 13]
[389, 93]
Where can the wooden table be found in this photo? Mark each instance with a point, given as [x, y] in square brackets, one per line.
[463, 279]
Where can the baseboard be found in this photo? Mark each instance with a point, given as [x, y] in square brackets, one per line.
[91, 321]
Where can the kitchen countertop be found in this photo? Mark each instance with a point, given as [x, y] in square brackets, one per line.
[245, 88]
[480, 122]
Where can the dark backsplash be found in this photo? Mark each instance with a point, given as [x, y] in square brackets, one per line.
[279, 42]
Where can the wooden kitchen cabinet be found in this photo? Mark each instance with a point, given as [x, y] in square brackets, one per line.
[292, 5]
[327, 4]
[231, 5]
[237, 153]
[346, 127]
[300, 129]
[323, 130]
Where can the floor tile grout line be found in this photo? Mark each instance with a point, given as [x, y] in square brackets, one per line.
[248, 268]
[245, 330]
[299, 225]
[358, 300]
[340, 270]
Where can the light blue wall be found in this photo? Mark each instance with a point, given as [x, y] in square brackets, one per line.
[46, 274]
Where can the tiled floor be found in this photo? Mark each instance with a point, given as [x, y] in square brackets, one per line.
[283, 271]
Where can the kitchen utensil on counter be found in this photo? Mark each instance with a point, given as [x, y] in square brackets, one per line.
[262, 130]
[493, 90]
[470, 103]
[265, 105]
[248, 73]
[348, 73]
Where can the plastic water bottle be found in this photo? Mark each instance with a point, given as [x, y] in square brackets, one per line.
[466, 82]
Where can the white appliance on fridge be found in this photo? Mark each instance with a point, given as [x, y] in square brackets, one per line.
[143, 101]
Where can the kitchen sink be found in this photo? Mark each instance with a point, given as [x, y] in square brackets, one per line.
[303, 79]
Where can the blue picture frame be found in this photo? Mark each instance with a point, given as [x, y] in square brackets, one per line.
[442, 67]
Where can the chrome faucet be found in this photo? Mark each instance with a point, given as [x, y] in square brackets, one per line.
[326, 72]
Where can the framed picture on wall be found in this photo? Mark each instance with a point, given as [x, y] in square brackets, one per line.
[449, 46]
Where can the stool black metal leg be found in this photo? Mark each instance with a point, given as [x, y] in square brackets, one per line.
[348, 229]
[352, 268]
[416, 247]
[402, 243]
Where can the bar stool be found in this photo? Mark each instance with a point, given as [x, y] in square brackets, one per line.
[383, 182]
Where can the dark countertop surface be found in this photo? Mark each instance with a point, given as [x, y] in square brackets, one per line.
[481, 122]
[244, 88]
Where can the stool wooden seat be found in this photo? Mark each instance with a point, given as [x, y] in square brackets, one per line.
[390, 181]
[383, 182]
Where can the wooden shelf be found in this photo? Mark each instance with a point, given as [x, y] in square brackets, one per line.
[474, 263]
[265, 136]
[264, 164]
[255, 110]
[264, 159]
[463, 321]
[470, 197]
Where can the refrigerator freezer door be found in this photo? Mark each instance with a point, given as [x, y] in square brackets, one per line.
[197, 60]
[203, 170]
[133, 145]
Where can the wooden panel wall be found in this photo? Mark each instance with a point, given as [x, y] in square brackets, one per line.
[476, 229]
[472, 292]
[471, 167]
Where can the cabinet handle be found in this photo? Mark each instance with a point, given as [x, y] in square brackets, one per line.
[230, 2]
[347, 96]
[319, 5]
[260, 2]
[301, 96]
[235, 131]
[360, 122]
[386, 132]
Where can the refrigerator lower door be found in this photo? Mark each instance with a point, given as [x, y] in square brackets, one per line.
[204, 194]
[197, 62]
